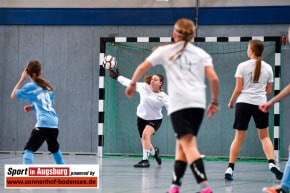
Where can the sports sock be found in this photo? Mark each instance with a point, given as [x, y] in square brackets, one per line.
[152, 152]
[28, 157]
[178, 173]
[286, 176]
[58, 157]
[203, 186]
[146, 154]
[198, 170]
[271, 161]
[232, 165]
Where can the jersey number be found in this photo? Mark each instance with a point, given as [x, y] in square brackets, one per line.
[45, 100]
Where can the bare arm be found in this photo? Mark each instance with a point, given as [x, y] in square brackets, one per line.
[236, 92]
[214, 87]
[269, 88]
[282, 94]
[266, 106]
[214, 83]
[18, 84]
[140, 70]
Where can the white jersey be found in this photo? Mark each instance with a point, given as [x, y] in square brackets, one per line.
[253, 92]
[151, 103]
[185, 74]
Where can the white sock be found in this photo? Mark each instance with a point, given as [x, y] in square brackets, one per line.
[152, 152]
[146, 154]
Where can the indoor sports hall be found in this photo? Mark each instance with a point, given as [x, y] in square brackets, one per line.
[97, 122]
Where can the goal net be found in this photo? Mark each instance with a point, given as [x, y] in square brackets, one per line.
[215, 136]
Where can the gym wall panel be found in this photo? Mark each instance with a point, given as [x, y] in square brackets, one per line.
[80, 88]
[8, 78]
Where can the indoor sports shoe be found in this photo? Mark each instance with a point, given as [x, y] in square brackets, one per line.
[157, 156]
[206, 190]
[142, 164]
[229, 174]
[174, 189]
[276, 170]
[274, 189]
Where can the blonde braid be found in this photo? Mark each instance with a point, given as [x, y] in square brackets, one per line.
[184, 29]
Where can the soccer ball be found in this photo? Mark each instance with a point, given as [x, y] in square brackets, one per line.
[109, 62]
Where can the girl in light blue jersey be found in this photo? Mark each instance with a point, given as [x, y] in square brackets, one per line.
[39, 93]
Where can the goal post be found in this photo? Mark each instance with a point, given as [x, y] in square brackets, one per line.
[227, 53]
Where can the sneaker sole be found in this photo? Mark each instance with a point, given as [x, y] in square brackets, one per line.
[157, 158]
[279, 175]
[141, 166]
[229, 177]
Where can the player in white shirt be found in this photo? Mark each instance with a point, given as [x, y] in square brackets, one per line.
[254, 81]
[149, 112]
[186, 68]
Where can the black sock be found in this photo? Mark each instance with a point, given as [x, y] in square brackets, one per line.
[232, 165]
[179, 170]
[271, 161]
[197, 168]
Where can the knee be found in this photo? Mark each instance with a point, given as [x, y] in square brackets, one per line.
[264, 138]
[145, 136]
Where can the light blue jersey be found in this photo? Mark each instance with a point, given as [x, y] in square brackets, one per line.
[41, 101]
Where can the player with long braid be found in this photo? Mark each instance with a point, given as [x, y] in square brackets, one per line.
[186, 67]
[254, 81]
[40, 95]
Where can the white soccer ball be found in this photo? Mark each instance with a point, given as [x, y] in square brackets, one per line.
[109, 62]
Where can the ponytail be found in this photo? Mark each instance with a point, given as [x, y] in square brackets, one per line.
[257, 71]
[177, 54]
[183, 31]
[257, 48]
[34, 69]
[44, 84]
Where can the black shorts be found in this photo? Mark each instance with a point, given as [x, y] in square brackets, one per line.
[141, 124]
[39, 135]
[187, 121]
[243, 114]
